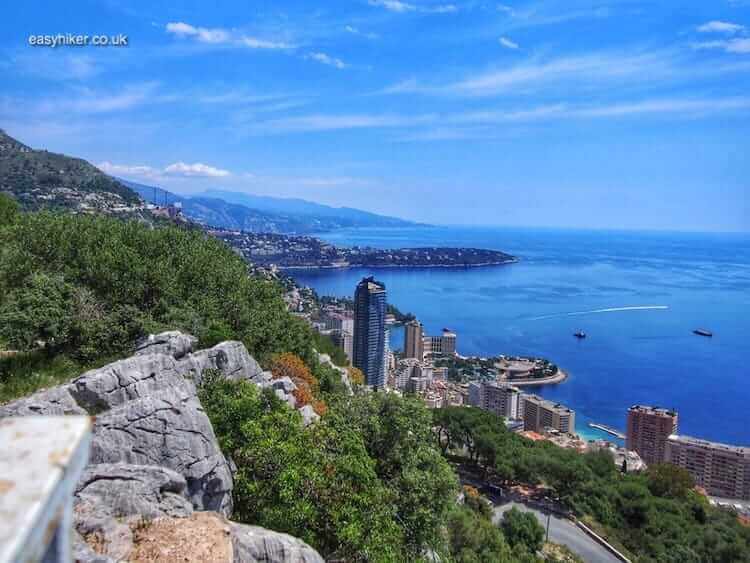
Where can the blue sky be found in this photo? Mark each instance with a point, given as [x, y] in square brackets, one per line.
[609, 114]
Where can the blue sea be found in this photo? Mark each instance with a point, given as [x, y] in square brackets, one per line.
[637, 295]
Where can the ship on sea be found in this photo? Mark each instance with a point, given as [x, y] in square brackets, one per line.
[703, 332]
[579, 334]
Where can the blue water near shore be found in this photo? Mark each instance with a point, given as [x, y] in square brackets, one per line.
[638, 296]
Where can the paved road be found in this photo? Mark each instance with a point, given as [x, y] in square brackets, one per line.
[563, 531]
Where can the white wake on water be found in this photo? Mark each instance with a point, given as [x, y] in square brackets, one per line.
[608, 310]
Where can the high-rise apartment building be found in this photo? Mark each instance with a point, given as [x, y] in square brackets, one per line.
[500, 398]
[369, 347]
[721, 469]
[413, 340]
[648, 430]
[443, 345]
[539, 414]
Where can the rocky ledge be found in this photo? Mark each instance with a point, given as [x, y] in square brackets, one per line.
[155, 461]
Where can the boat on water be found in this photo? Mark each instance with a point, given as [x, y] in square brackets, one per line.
[703, 332]
[579, 334]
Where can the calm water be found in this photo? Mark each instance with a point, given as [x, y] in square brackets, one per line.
[664, 286]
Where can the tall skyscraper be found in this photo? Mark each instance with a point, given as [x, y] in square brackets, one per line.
[369, 331]
[413, 340]
[648, 431]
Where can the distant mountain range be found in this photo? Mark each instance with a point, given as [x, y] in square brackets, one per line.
[39, 179]
[241, 211]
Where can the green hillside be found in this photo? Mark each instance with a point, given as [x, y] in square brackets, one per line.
[38, 179]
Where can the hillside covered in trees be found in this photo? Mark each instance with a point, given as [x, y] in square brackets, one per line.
[373, 479]
[39, 179]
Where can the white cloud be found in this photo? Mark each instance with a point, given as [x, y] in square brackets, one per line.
[195, 170]
[179, 169]
[255, 43]
[721, 27]
[326, 60]
[505, 42]
[404, 7]
[202, 34]
[393, 5]
[356, 31]
[736, 45]
[457, 125]
[585, 70]
[87, 101]
[219, 36]
[126, 170]
[327, 122]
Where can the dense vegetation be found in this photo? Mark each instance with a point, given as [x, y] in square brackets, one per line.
[364, 484]
[370, 481]
[85, 288]
[657, 516]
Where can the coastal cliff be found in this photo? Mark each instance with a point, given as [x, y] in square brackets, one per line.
[155, 460]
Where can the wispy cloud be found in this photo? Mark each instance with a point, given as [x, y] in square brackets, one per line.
[735, 45]
[220, 36]
[715, 26]
[584, 70]
[356, 31]
[447, 125]
[509, 44]
[177, 169]
[328, 122]
[405, 7]
[88, 101]
[141, 171]
[325, 59]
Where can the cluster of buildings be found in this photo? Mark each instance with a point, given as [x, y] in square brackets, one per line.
[722, 470]
[526, 412]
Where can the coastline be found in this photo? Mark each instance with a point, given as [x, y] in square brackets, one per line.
[559, 377]
[348, 266]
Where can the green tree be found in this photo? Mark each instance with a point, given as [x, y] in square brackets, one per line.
[472, 538]
[318, 484]
[667, 480]
[40, 313]
[397, 433]
[522, 528]
[8, 209]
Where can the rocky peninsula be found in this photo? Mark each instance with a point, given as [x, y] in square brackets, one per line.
[285, 251]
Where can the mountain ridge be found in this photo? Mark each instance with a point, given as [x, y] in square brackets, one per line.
[253, 213]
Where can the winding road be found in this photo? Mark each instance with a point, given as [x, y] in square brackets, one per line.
[565, 532]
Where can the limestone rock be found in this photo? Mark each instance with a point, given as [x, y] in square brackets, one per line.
[253, 544]
[230, 358]
[172, 343]
[55, 401]
[112, 499]
[309, 416]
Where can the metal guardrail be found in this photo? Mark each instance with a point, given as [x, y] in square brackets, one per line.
[41, 460]
[601, 541]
